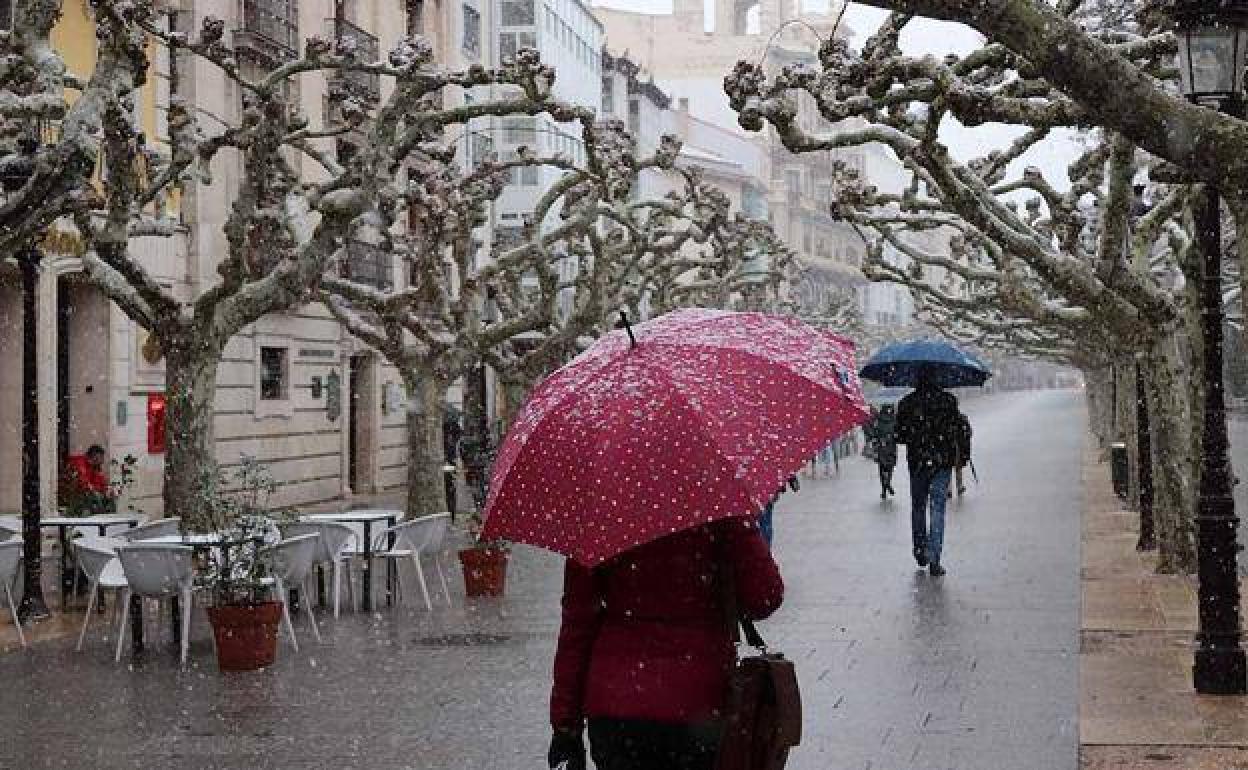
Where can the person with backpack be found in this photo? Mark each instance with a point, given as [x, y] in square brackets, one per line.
[964, 451]
[927, 423]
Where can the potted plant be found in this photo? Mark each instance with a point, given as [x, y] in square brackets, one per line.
[243, 612]
[484, 563]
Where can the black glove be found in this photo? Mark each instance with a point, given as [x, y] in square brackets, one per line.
[567, 746]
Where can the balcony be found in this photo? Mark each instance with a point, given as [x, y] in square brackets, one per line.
[362, 86]
[270, 31]
[368, 264]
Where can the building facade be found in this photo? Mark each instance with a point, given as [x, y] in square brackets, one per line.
[322, 410]
[689, 51]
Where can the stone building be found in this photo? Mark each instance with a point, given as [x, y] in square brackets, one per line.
[689, 52]
[294, 389]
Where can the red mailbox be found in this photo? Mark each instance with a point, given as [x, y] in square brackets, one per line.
[155, 423]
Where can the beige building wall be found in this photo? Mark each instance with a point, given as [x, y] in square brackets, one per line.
[110, 378]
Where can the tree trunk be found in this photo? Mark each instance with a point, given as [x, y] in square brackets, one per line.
[1127, 425]
[1099, 406]
[426, 408]
[514, 392]
[190, 402]
[1174, 466]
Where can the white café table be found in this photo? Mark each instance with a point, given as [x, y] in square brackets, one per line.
[367, 518]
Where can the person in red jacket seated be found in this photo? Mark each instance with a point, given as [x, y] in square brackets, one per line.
[647, 647]
[87, 471]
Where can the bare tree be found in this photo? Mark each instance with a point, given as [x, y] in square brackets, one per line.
[1029, 280]
[283, 232]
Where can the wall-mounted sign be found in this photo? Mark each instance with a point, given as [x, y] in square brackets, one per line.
[155, 423]
[317, 353]
[391, 398]
[333, 396]
[316, 387]
[123, 412]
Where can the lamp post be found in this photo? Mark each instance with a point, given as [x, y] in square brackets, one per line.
[754, 276]
[1213, 42]
[15, 171]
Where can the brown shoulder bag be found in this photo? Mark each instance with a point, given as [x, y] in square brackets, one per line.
[763, 716]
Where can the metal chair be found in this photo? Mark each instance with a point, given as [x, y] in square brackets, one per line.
[156, 571]
[97, 556]
[10, 557]
[157, 528]
[292, 561]
[334, 549]
[413, 539]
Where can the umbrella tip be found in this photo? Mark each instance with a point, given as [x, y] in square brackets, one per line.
[628, 327]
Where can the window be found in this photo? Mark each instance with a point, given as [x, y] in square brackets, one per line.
[415, 17]
[634, 117]
[608, 95]
[472, 31]
[274, 374]
[517, 13]
[520, 131]
[511, 42]
[6, 14]
[793, 181]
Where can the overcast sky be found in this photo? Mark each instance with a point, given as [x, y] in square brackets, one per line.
[923, 36]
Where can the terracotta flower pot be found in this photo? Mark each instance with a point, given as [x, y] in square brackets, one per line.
[485, 571]
[246, 634]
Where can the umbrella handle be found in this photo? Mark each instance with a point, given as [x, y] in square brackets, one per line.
[628, 328]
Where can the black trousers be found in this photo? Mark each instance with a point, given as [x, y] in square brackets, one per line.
[630, 744]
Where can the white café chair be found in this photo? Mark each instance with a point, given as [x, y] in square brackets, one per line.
[10, 526]
[413, 539]
[10, 557]
[333, 549]
[156, 571]
[97, 556]
[157, 528]
[291, 561]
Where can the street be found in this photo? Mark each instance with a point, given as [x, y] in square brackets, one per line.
[899, 670]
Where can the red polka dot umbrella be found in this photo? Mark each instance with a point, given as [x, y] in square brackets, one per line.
[703, 418]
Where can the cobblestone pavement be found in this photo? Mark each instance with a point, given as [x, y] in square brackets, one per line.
[899, 671]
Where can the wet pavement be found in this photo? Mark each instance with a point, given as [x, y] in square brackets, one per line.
[899, 670]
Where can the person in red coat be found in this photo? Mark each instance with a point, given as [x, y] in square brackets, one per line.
[647, 647]
[86, 471]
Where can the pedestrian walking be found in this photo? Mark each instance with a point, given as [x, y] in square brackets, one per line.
[766, 517]
[964, 451]
[884, 434]
[647, 647]
[927, 423]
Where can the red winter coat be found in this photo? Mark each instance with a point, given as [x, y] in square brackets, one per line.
[647, 635]
[88, 478]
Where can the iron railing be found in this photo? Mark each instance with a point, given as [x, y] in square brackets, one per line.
[270, 30]
[369, 264]
[364, 86]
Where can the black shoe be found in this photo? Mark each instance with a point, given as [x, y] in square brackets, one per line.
[890, 490]
[936, 569]
[883, 494]
[961, 491]
[920, 555]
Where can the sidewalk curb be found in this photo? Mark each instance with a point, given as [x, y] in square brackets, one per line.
[1137, 709]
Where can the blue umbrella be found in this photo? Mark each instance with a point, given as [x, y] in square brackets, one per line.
[899, 364]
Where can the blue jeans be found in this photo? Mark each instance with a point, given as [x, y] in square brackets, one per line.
[929, 489]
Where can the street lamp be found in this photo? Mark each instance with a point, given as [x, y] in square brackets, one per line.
[1213, 42]
[15, 170]
[754, 276]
